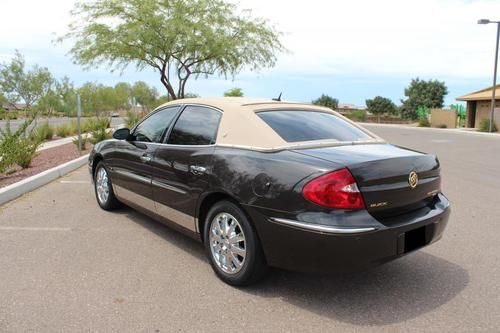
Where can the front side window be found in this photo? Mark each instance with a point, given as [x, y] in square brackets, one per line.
[296, 126]
[197, 125]
[152, 128]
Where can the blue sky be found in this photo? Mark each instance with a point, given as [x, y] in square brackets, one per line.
[352, 50]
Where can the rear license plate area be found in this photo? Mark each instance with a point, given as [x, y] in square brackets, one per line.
[415, 239]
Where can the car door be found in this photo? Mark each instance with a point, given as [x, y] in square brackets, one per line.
[181, 166]
[131, 162]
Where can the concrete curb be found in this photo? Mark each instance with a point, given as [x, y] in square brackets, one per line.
[441, 130]
[15, 190]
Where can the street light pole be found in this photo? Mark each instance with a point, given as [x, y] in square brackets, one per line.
[492, 114]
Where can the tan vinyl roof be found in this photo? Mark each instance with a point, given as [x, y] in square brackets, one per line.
[481, 95]
[240, 126]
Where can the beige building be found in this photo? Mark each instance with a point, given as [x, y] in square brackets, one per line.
[479, 106]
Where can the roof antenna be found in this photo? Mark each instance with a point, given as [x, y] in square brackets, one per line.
[279, 98]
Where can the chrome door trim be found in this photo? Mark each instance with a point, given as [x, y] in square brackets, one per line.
[178, 217]
[131, 175]
[168, 187]
[134, 198]
[321, 227]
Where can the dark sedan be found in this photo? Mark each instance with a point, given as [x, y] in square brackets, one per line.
[268, 183]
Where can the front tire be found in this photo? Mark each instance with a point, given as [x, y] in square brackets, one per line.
[232, 245]
[103, 188]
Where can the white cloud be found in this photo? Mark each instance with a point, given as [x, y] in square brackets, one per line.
[401, 37]
[428, 38]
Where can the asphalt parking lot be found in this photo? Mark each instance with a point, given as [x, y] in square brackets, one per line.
[66, 265]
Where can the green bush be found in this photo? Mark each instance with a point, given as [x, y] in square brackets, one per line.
[359, 115]
[99, 135]
[44, 132]
[63, 130]
[484, 125]
[26, 152]
[131, 119]
[17, 147]
[94, 124]
[13, 115]
[423, 122]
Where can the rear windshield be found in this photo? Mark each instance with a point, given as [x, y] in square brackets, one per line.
[295, 126]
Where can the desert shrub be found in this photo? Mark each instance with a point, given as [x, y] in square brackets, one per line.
[358, 115]
[94, 124]
[423, 122]
[2, 114]
[99, 135]
[13, 115]
[26, 151]
[63, 130]
[17, 147]
[131, 119]
[484, 125]
[442, 126]
[84, 142]
[44, 132]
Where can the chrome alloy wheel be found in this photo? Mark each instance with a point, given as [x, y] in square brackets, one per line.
[227, 243]
[102, 186]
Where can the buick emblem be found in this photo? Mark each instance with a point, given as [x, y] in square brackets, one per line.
[413, 179]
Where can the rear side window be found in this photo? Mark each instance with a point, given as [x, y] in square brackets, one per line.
[151, 129]
[197, 125]
[296, 126]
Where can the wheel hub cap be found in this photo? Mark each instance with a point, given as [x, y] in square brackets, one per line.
[227, 243]
[102, 186]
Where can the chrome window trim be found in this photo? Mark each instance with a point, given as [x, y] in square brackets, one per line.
[321, 227]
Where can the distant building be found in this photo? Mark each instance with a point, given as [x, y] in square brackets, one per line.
[479, 106]
[15, 107]
[348, 108]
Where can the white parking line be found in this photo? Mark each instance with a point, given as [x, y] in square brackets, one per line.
[33, 229]
[74, 182]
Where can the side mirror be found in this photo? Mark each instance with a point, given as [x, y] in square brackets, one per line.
[121, 134]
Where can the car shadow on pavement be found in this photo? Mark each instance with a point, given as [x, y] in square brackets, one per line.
[392, 293]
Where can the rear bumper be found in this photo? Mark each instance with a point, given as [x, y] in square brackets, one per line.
[336, 246]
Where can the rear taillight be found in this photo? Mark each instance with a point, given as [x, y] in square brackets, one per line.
[336, 189]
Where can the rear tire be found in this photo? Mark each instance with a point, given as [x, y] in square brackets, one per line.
[103, 188]
[232, 245]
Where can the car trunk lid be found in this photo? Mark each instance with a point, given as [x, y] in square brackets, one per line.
[382, 172]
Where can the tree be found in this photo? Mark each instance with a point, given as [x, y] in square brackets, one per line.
[234, 92]
[179, 39]
[21, 85]
[144, 95]
[327, 101]
[421, 93]
[123, 93]
[381, 105]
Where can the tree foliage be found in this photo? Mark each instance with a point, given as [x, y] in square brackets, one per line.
[145, 95]
[327, 101]
[380, 106]
[234, 92]
[24, 86]
[179, 39]
[421, 93]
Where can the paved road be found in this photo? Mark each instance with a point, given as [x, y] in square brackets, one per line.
[14, 124]
[66, 265]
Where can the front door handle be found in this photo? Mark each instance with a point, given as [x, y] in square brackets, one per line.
[197, 170]
[146, 158]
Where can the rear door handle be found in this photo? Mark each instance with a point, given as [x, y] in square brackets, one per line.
[197, 170]
[146, 158]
